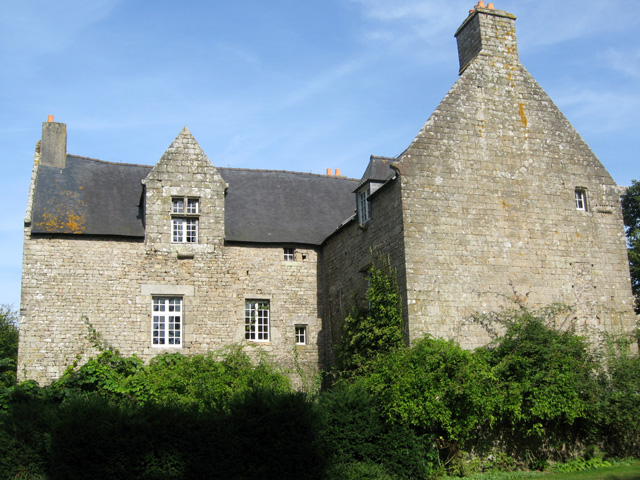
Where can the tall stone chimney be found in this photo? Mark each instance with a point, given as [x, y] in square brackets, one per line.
[53, 147]
[489, 32]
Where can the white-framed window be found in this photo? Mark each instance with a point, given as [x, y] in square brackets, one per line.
[364, 207]
[289, 254]
[166, 321]
[581, 199]
[256, 320]
[301, 334]
[184, 220]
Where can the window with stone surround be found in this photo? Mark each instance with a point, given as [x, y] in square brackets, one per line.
[301, 334]
[184, 219]
[364, 207]
[581, 199]
[289, 254]
[167, 322]
[256, 320]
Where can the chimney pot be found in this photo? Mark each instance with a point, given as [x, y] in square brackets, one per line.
[50, 118]
[481, 4]
[490, 6]
[337, 172]
[329, 171]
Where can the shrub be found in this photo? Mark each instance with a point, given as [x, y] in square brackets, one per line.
[545, 382]
[435, 387]
[618, 406]
[376, 330]
[356, 435]
[205, 382]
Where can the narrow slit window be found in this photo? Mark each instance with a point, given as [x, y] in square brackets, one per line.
[581, 199]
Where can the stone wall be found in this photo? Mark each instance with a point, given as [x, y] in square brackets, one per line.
[489, 210]
[111, 284]
[347, 255]
[69, 280]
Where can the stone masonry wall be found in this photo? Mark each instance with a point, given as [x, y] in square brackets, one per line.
[69, 280]
[347, 255]
[111, 283]
[489, 213]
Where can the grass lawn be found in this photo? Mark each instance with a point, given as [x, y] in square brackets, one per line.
[628, 470]
[616, 472]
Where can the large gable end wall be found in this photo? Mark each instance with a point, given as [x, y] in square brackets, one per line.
[488, 201]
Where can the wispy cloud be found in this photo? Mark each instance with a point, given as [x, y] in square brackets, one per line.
[601, 111]
[36, 27]
[625, 61]
[321, 82]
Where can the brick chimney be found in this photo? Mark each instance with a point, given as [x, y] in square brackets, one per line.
[489, 32]
[53, 147]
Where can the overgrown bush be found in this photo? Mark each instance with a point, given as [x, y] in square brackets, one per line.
[436, 388]
[356, 435]
[618, 404]
[375, 330]
[265, 434]
[545, 380]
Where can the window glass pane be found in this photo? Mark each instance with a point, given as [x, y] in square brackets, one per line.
[177, 230]
[192, 230]
[178, 205]
[192, 206]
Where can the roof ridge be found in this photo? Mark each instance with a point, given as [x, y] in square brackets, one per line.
[109, 162]
[285, 171]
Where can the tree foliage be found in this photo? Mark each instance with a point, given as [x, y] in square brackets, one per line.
[8, 345]
[631, 215]
[372, 331]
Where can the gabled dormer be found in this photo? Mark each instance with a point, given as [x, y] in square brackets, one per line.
[378, 172]
[184, 200]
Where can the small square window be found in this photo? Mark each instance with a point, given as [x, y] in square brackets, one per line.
[301, 334]
[581, 199]
[289, 254]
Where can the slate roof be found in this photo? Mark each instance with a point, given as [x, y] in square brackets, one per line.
[285, 207]
[90, 197]
[378, 170]
[94, 197]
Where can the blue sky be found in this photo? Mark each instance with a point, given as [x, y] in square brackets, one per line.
[284, 84]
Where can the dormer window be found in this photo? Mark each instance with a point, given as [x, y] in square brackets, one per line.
[184, 220]
[364, 207]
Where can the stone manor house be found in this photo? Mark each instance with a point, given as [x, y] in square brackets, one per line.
[497, 200]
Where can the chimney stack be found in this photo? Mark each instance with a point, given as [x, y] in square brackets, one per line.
[53, 147]
[490, 32]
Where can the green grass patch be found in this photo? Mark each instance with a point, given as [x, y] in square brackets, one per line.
[621, 470]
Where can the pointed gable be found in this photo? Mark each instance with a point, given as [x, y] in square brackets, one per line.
[184, 173]
[489, 185]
